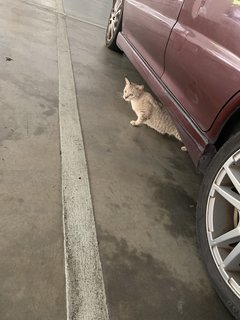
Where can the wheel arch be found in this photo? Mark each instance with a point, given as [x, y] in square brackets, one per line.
[230, 127]
[226, 124]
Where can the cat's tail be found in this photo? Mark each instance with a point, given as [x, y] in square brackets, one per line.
[177, 135]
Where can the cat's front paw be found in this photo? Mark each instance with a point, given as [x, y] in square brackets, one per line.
[183, 148]
[133, 123]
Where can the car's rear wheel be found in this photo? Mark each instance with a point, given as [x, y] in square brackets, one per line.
[114, 25]
[218, 223]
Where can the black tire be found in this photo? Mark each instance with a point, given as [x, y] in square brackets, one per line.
[211, 213]
[114, 25]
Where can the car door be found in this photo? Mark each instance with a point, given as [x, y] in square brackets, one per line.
[202, 61]
[147, 25]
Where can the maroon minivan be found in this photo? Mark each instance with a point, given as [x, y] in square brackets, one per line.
[188, 51]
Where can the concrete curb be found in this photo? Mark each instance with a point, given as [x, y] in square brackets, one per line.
[86, 298]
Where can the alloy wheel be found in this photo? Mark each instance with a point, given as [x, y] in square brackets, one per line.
[223, 222]
[114, 19]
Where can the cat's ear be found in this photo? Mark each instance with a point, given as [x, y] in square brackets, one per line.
[140, 87]
[127, 82]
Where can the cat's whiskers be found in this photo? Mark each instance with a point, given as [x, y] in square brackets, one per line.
[120, 95]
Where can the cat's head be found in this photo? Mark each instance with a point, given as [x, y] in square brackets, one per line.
[132, 90]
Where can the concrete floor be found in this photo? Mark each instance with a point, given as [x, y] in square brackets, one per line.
[144, 188]
[31, 238]
[94, 11]
[144, 194]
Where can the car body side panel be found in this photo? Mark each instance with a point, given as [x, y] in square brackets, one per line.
[199, 70]
[158, 18]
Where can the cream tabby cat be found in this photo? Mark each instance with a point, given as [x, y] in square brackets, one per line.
[148, 110]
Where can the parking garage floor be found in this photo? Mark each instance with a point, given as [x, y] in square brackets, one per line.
[143, 187]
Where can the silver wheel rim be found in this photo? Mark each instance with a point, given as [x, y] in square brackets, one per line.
[114, 19]
[223, 222]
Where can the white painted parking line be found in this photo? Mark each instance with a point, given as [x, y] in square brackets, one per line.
[86, 298]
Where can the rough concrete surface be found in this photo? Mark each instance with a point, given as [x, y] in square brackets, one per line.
[31, 237]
